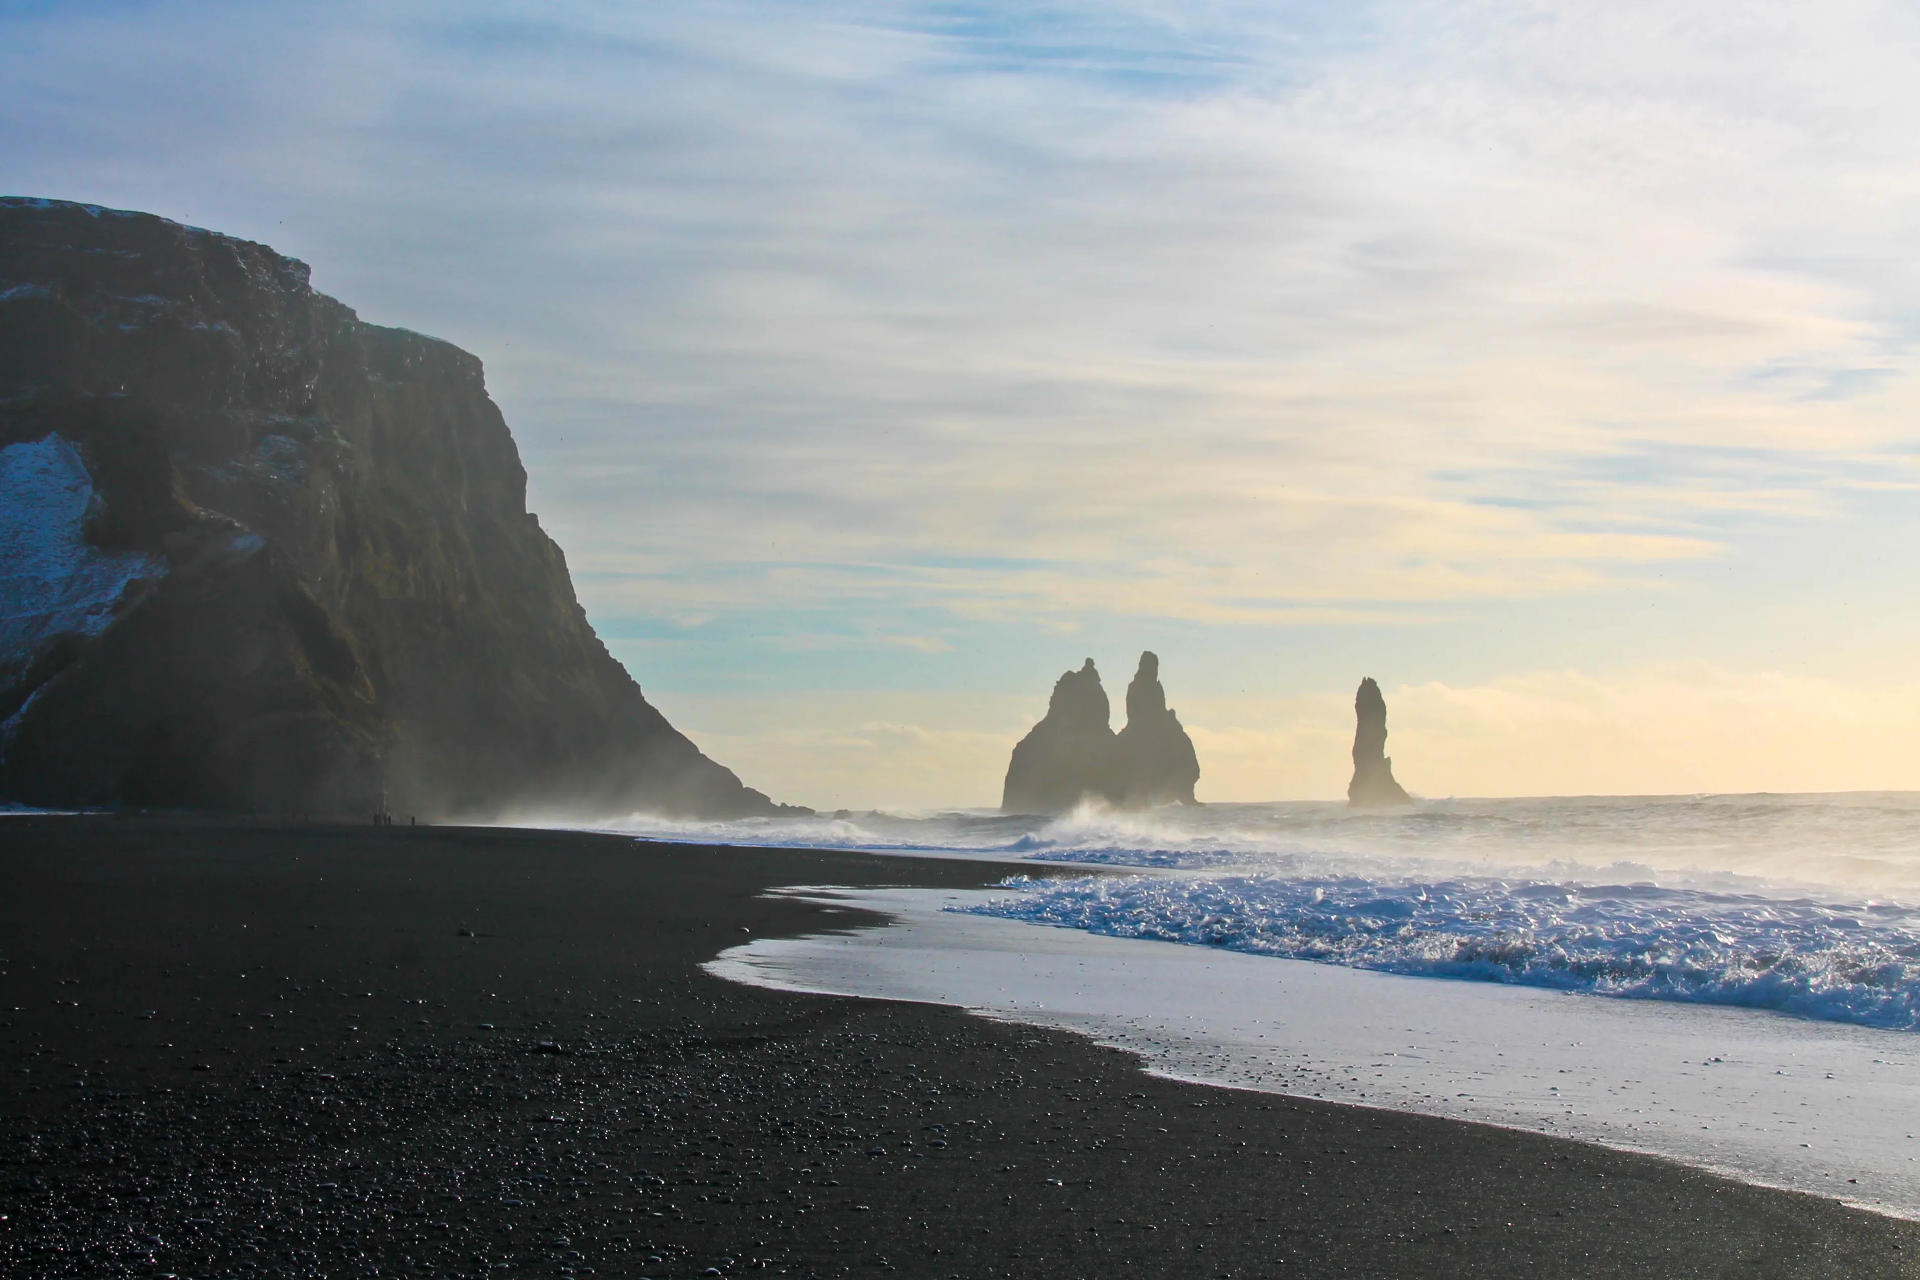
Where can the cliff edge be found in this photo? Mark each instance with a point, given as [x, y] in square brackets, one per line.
[258, 554]
[1373, 783]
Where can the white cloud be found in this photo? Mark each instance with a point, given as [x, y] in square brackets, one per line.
[923, 318]
[1387, 326]
[1304, 307]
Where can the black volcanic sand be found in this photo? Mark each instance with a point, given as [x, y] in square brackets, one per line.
[243, 1050]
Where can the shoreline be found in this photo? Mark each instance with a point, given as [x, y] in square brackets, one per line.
[1770, 1099]
[226, 1067]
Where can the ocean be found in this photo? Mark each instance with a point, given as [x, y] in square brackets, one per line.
[1806, 904]
[1732, 981]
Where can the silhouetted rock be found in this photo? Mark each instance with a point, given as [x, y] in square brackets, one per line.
[1158, 757]
[1373, 782]
[1073, 753]
[1069, 755]
[255, 553]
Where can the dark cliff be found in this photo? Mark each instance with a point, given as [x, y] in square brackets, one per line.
[1373, 782]
[256, 553]
[1073, 754]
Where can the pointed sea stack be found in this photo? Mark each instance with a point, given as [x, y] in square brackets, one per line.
[1158, 757]
[1373, 784]
[1069, 755]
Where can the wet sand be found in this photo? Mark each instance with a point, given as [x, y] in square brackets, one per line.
[239, 1049]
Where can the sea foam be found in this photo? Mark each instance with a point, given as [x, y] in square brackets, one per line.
[1805, 904]
[1846, 962]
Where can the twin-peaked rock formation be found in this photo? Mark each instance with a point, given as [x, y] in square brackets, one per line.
[1373, 784]
[1073, 754]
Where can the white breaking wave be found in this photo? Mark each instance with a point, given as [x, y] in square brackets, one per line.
[1807, 904]
[1790, 1102]
[1849, 963]
[1864, 842]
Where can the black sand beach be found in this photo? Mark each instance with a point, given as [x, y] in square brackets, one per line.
[237, 1049]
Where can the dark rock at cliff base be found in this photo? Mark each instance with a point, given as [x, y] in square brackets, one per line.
[1074, 755]
[257, 554]
[1154, 749]
[1373, 783]
[1069, 755]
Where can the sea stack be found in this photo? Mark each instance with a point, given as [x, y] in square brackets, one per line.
[1373, 785]
[1073, 754]
[256, 554]
[1159, 759]
[1070, 755]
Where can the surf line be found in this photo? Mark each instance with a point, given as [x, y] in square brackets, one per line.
[1767, 1098]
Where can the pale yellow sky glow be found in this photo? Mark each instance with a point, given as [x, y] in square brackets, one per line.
[1681, 730]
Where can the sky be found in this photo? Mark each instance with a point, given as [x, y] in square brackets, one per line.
[874, 364]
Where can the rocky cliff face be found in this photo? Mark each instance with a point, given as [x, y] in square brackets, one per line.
[256, 553]
[1373, 782]
[1073, 754]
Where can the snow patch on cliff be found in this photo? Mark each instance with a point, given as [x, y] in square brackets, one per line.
[52, 583]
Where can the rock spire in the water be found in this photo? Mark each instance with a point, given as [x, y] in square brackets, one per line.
[1073, 753]
[1155, 750]
[1373, 782]
[1069, 755]
[256, 553]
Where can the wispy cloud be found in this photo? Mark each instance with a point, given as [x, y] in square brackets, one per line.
[1082, 283]
[914, 319]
